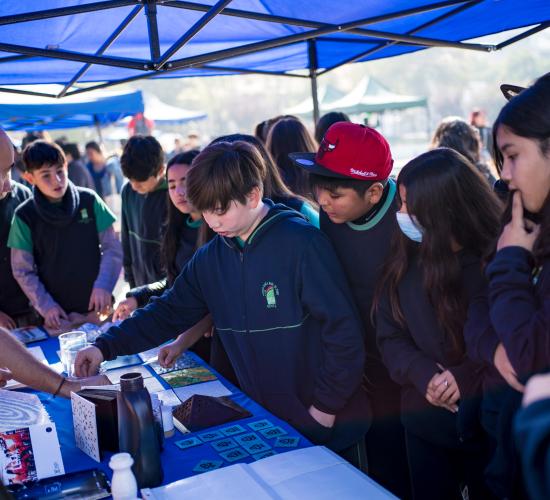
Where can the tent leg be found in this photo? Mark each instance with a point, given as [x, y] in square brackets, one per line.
[312, 54]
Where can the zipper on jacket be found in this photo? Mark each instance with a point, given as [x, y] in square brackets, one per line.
[245, 311]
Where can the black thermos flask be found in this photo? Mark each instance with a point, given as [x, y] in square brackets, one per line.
[137, 432]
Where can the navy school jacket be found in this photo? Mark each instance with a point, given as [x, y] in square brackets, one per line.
[519, 301]
[282, 308]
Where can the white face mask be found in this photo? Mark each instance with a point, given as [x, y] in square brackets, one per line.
[409, 226]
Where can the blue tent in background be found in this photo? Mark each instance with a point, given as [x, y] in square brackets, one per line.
[103, 43]
[40, 113]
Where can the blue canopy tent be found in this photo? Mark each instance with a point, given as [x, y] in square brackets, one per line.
[106, 42]
[95, 109]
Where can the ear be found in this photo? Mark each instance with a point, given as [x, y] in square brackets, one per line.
[254, 197]
[374, 194]
[28, 177]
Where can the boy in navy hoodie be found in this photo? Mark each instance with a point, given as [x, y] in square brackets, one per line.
[349, 176]
[278, 298]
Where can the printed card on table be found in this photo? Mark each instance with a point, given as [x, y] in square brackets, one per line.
[85, 426]
[114, 375]
[188, 376]
[29, 454]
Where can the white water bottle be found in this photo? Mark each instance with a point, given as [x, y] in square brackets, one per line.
[123, 484]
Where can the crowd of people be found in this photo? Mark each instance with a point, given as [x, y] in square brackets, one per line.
[397, 321]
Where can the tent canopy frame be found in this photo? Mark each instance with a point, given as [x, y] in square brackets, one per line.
[158, 62]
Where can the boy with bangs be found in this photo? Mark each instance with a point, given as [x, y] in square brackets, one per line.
[278, 300]
[64, 252]
[349, 176]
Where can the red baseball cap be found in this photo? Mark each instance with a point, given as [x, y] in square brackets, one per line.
[349, 151]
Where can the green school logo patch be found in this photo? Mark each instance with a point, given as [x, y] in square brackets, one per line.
[84, 216]
[270, 292]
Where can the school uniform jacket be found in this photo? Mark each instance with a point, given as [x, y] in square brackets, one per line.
[282, 308]
[141, 233]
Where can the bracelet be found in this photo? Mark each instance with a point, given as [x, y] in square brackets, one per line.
[63, 380]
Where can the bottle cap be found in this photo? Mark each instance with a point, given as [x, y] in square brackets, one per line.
[132, 381]
[121, 461]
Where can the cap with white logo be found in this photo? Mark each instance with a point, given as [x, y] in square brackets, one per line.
[349, 151]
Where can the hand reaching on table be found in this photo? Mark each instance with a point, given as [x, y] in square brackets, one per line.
[100, 301]
[6, 321]
[125, 308]
[53, 317]
[5, 375]
[87, 361]
[170, 352]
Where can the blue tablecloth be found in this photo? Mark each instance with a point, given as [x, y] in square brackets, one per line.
[177, 463]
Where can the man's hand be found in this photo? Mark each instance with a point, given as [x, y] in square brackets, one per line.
[6, 321]
[125, 308]
[169, 353]
[53, 317]
[5, 375]
[74, 385]
[100, 301]
[519, 232]
[322, 418]
[87, 361]
[505, 368]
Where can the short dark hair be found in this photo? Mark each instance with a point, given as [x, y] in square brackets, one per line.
[42, 153]
[332, 184]
[71, 148]
[326, 121]
[142, 158]
[224, 172]
[93, 145]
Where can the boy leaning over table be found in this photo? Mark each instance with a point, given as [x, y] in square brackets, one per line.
[64, 251]
[278, 298]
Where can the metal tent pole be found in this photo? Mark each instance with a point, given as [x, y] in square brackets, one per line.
[312, 55]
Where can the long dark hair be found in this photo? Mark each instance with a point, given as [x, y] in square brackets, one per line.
[453, 204]
[290, 135]
[174, 224]
[528, 115]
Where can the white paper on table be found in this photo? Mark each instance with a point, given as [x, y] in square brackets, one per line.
[38, 353]
[46, 450]
[169, 398]
[152, 385]
[19, 409]
[316, 472]
[85, 426]
[213, 388]
[228, 483]
[114, 375]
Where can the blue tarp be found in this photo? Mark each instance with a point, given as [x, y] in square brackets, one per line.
[87, 110]
[284, 24]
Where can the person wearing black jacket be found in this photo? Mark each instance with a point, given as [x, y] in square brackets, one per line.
[278, 299]
[143, 210]
[510, 323]
[349, 177]
[448, 218]
[15, 308]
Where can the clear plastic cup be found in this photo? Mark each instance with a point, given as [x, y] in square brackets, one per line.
[69, 345]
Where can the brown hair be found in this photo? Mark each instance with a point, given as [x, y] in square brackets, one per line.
[222, 173]
[290, 135]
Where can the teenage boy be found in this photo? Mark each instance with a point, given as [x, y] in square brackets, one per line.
[349, 175]
[14, 305]
[64, 252]
[144, 199]
[278, 299]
